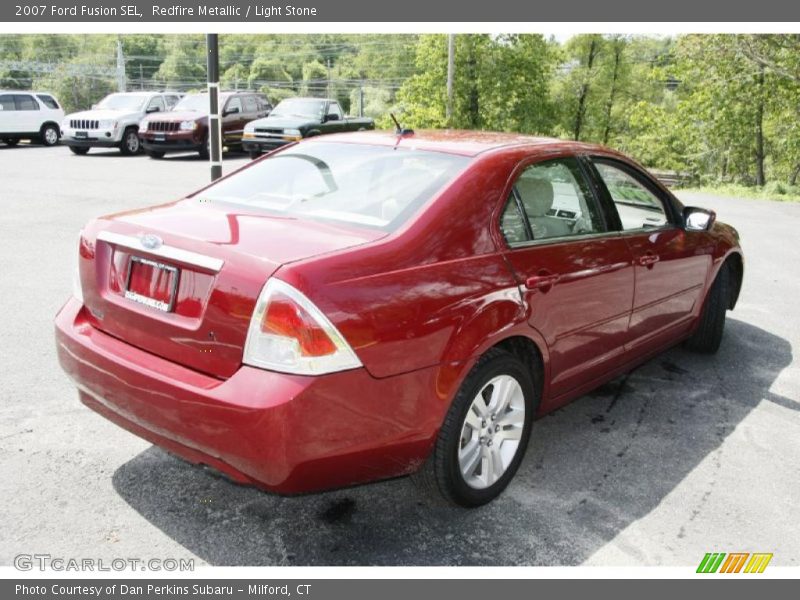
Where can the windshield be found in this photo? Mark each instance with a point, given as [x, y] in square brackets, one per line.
[133, 103]
[366, 185]
[195, 102]
[307, 109]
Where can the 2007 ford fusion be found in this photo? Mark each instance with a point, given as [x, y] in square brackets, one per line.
[369, 305]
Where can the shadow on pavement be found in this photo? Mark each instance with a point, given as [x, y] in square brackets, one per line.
[592, 469]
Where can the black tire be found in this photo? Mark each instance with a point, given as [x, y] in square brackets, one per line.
[154, 153]
[79, 150]
[708, 336]
[205, 149]
[11, 142]
[254, 153]
[440, 478]
[49, 134]
[130, 144]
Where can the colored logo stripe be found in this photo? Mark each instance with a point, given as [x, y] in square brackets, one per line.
[734, 562]
[758, 562]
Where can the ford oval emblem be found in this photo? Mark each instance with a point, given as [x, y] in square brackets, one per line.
[151, 241]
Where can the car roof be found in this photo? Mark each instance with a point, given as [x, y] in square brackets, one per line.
[461, 142]
[26, 92]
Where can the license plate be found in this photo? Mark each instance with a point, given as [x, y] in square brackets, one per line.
[81, 134]
[152, 283]
[159, 137]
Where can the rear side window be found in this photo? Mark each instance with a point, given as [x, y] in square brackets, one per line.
[334, 109]
[551, 200]
[156, 105]
[171, 100]
[7, 102]
[25, 102]
[48, 101]
[638, 207]
[365, 185]
[250, 104]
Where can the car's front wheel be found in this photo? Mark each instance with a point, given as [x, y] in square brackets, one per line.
[708, 335]
[130, 142]
[485, 434]
[79, 150]
[154, 153]
[254, 153]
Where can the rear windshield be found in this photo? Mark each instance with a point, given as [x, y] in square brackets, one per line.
[366, 185]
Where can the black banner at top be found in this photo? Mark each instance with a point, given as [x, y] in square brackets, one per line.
[449, 11]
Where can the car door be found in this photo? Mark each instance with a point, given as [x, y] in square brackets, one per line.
[338, 123]
[156, 105]
[574, 271]
[8, 114]
[233, 121]
[670, 267]
[29, 116]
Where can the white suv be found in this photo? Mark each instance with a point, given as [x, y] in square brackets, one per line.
[29, 116]
[114, 121]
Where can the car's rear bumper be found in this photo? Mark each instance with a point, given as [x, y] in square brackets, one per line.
[285, 433]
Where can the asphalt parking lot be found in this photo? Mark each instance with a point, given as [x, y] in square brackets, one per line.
[688, 454]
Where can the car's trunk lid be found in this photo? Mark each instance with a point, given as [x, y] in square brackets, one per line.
[181, 280]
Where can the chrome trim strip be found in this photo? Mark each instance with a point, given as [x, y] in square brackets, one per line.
[169, 252]
[565, 239]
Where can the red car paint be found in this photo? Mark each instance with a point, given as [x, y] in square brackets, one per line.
[418, 306]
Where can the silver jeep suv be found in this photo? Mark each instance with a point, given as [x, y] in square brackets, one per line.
[114, 121]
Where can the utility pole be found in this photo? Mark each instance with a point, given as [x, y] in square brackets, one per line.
[329, 78]
[141, 77]
[361, 100]
[451, 71]
[121, 84]
[214, 124]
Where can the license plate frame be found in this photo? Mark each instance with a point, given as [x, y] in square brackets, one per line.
[159, 137]
[81, 135]
[155, 303]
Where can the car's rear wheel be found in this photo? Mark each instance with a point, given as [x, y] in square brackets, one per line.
[485, 433]
[11, 141]
[80, 151]
[49, 134]
[130, 142]
[708, 336]
[154, 153]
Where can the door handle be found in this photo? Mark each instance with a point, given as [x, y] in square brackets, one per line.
[648, 259]
[543, 281]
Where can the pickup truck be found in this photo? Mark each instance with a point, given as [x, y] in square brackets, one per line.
[296, 118]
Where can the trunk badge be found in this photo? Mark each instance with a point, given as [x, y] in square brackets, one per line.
[151, 241]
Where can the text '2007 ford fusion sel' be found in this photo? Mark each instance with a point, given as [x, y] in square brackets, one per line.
[361, 306]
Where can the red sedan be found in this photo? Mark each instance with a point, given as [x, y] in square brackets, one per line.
[364, 306]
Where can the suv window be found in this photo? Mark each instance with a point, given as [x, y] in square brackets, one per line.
[7, 102]
[25, 102]
[550, 200]
[48, 101]
[638, 206]
[263, 103]
[172, 100]
[156, 104]
[234, 103]
[334, 109]
[250, 104]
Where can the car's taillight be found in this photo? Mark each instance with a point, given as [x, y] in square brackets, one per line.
[289, 334]
[77, 287]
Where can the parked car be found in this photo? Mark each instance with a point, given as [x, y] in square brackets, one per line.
[363, 306]
[185, 129]
[114, 121]
[296, 118]
[29, 115]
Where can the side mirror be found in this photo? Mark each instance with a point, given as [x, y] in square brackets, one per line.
[331, 117]
[152, 109]
[230, 111]
[698, 219]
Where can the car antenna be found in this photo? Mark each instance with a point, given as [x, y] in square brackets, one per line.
[398, 128]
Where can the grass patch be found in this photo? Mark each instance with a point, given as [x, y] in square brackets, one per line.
[781, 192]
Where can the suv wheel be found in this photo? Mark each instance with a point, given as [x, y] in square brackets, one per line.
[154, 153]
[11, 141]
[79, 150]
[130, 142]
[49, 134]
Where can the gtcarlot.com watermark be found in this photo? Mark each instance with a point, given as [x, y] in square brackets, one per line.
[48, 562]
